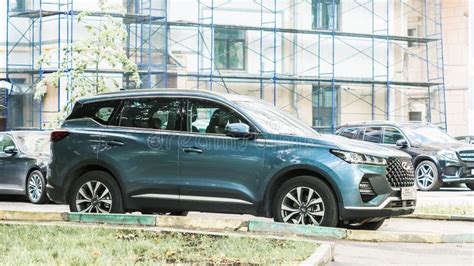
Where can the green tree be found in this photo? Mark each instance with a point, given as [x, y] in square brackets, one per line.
[102, 47]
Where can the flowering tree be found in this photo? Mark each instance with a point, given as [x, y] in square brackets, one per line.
[103, 47]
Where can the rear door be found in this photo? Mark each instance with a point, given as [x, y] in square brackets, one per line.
[141, 144]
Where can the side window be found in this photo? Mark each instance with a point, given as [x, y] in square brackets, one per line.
[154, 113]
[360, 135]
[391, 135]
[101, 112]
[373, 134]
[206, 117]
[5, 141]
[350, 132]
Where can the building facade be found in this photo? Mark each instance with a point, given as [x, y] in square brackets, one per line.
[327, 62]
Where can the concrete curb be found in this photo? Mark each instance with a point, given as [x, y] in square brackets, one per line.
[357, 235]
[232, 225]
[322, 256]
[31, 216]
[121, 219]
[445, 217]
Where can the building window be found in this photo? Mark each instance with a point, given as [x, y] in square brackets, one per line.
[229, 49]
[412, 33]
[325, 14]
[322, 108]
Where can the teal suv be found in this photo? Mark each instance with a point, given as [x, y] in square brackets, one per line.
[173, 151]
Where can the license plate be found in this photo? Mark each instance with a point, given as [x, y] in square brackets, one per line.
[472, 171]
[408, 193]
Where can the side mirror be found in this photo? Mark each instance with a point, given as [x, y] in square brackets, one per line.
[402, 143]
[10, 150]
[238, 130]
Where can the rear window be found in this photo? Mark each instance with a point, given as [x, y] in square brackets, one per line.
[99, 111]
[350, 132]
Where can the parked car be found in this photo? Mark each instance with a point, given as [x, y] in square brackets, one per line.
[467, 139]
[438, 158]
[23, 164]
[189, 150]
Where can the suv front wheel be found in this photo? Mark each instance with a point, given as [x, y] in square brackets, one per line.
[95, 192]
[426, 176]
[305, 200]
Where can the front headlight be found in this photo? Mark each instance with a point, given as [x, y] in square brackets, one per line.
[448, 155]
[359, 158]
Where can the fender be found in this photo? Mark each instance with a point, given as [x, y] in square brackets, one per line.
[421, 158]
[94, 164]
[265, 207]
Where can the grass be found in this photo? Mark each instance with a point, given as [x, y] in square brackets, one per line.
[32, 244]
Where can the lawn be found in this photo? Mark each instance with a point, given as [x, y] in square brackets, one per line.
[28, 244]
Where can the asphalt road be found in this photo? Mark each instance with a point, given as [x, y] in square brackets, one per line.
[367, 253]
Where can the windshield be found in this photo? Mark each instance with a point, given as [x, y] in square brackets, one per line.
[276, 121]
[34, 142]
[425, 134]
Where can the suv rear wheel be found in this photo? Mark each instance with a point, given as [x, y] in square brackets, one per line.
[96, 192]
[36, 188]
[305, 200]
[426, 176]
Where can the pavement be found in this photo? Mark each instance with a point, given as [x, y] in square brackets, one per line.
[366, 253]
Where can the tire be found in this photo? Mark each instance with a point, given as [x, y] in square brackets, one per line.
[107, 197]
[36, 188]
[427, 176]
[470, 186]
[318, 207]
[367, 226]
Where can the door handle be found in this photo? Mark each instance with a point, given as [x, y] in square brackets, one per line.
[192, 150]
[114, 143]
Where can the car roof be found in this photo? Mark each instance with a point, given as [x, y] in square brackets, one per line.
[166, 92]
[382, 123]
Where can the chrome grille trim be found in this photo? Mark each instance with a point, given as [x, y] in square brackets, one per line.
[467, 156]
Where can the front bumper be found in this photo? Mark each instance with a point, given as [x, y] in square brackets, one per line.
[457, 172]
[384, 200]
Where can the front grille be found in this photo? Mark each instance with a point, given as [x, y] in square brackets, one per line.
[400, 172]
[467, 156]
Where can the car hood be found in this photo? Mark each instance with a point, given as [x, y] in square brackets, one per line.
[363, 147]
[449, 146]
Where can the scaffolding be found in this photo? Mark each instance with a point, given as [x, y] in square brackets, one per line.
[360, 60]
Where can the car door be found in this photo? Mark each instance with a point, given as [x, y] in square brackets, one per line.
[218, 172]
[142, 145]
[11, 167]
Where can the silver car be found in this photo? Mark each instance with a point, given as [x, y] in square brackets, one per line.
[23, 160]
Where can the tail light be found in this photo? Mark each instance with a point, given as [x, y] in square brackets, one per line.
[58, 135]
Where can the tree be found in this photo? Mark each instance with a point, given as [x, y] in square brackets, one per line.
[103, 46]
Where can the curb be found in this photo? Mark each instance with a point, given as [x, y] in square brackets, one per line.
[232, 225]
[357, 235]
[445, 217]
[322, 256]
[31, 216]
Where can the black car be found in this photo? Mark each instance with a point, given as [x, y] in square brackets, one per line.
[23, 164]
[437, 157]
[466, 139]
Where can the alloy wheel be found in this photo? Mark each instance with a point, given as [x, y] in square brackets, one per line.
[302, 205]
[425, 176]
[35, 187]
[94, 196]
